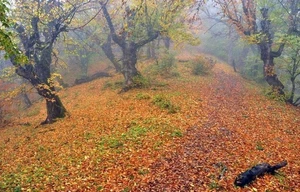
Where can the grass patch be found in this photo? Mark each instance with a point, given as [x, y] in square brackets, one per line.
[213, 184]
[10, 182]
[142, 96]
[131, 137]
[281, 177]
[143, 171]
[274, 95]
[136, 131]
[164, 103]
[87, 136]
[259, 146]
[113, 85]
[115, 143]
[157, 145]
[22, 176]
[177, 133]
[141, 82]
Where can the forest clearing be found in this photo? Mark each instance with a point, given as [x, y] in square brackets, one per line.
[221, 126]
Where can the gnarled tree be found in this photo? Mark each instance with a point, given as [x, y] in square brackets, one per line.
[38, 28]
[129, 42]
[143, 21]
[257, 28]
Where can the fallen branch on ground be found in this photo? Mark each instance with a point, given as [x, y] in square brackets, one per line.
[256, 171]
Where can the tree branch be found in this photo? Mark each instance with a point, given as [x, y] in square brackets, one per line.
[278, 52]
[151, 38]
[115, 37]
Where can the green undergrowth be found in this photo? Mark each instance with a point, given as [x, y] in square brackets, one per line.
[164, 103]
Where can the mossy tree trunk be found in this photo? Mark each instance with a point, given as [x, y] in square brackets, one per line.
[129, 46]
[40, 53]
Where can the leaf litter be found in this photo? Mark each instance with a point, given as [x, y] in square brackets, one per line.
[116, 142]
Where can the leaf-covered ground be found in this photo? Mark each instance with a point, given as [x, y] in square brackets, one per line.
[218, 126]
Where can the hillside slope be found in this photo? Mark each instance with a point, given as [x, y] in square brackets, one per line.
[217, 124]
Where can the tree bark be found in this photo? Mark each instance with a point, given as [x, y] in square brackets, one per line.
[129, 61]
[267, 55]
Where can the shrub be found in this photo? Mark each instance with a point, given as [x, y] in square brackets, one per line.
[274, 95]
[166, 66]
[141, 82]
[202, 65]
[166, 63]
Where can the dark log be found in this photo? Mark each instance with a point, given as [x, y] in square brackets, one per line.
[91, 78]
[256, 171]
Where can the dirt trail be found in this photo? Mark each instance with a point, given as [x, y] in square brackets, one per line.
[210, 154]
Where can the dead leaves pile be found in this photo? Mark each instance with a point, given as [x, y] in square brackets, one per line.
[124, 142]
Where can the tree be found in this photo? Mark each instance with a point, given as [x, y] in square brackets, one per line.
[244, 16]
[38, 28]
[143, 21]
[291, 65]
[129, 41]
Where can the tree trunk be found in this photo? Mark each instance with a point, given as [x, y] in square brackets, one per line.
[293, 75]
[153, 53]
[129, 70]
[267, 55]
[230, 45]
[83, 58]
[291, 99]
[151, 50]
[167, 42]
[149, 55]
[55, 109]
[269, 68]
[234, 66]
[271, 76]
[243, 55]
[107, 49]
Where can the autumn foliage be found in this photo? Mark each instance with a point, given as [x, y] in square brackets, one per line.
[221, 126]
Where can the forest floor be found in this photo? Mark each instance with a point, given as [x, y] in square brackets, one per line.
[218, 126]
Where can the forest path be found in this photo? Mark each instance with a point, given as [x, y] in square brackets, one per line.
[212, 153]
